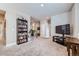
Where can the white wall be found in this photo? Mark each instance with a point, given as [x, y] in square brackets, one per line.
[72, 22]
[75, 19]
[59, 20]
[11, 16]
[10, 27]
[44, 29]
[71, 17]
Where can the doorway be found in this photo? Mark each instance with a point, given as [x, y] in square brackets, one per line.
[2, 28]
[35, 27]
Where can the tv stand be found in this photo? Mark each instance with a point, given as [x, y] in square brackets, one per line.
[59, 39]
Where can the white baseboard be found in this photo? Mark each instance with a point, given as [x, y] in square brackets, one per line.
[45, 37]
[11, 44]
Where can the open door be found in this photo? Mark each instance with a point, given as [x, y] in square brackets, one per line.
[2, 28]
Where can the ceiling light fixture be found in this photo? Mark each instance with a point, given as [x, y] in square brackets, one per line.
[42, 5]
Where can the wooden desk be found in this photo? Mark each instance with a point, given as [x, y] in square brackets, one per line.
[73, 44]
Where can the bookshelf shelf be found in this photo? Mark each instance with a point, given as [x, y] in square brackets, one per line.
[22, 31]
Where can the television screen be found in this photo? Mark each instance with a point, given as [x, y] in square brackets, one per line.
[63, 29]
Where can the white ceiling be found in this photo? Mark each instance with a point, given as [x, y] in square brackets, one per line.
[34, 9]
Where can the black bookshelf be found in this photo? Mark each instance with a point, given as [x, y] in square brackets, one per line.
[22, 31]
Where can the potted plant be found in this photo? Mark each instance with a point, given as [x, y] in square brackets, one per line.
[32, 32]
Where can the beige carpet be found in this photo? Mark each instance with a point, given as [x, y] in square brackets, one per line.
[36, 47]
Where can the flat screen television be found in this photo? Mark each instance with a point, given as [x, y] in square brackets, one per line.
[63, 29]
